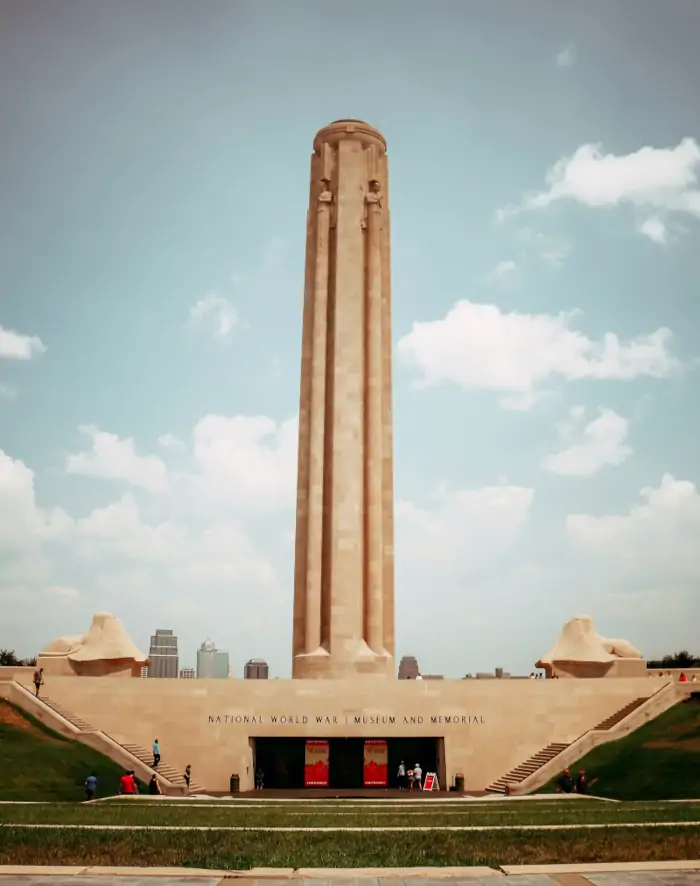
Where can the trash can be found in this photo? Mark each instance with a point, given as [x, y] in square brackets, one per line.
[234, 784]
[459, 783]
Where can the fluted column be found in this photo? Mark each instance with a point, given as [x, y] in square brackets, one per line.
[343, 593]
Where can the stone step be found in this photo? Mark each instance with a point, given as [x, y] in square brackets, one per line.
[615, 718]
[527, 768]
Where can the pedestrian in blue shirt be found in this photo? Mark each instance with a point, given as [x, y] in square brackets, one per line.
[90, 786]
[156, 754]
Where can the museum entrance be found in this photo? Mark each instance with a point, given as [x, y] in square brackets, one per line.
[344, 763]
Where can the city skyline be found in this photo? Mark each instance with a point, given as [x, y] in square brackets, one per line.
[545, 335]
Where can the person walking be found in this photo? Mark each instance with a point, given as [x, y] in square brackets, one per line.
[156, 754]
[188, 775]
[127, 783]
[418, 776]
[581, 783]
[153, 786]
[38, 680]
[90, 786]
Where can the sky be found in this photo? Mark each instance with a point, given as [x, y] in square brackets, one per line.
[545, 210]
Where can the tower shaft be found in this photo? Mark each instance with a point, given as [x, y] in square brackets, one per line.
[344, 559]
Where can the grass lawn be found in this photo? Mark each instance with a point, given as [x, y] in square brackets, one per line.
[660, 761]
[317, 815]
[243, 850]
[38, 764]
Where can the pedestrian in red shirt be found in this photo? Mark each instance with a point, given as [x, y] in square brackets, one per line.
[126, 783]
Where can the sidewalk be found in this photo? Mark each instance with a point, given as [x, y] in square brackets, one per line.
[668, 873]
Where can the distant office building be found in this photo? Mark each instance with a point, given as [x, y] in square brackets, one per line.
[432, 676]
[187, 674]
[163, 655]
[256, 669]
[408, 668]
[144, 671]
[212, 663]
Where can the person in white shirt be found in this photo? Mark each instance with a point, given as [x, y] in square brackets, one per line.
[418, 777]
[401, 776]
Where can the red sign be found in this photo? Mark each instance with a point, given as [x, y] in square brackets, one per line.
[430, 782]
[376, 763]
[316, 764]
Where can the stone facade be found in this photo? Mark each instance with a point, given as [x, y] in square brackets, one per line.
[344, 570]
[486, 727]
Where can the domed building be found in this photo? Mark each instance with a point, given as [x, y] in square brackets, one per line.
[211, 662]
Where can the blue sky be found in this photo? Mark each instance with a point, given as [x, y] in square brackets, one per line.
[544, 164]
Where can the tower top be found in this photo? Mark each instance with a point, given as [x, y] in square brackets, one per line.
[348, 128]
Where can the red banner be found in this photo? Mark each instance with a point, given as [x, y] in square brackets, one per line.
[316, 764]
[376, 763]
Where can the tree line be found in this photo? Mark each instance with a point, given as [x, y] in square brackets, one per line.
[683, 659]
[9, 659]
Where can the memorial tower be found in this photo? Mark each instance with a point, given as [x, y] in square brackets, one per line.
[344, 558]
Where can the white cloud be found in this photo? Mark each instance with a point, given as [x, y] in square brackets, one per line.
[169, 441]
[657, 541]
[654, 229]
[215, 312]
[63, 592]
[118, 527]
[15, 346]
[477, 346]
[115, 459]
[654, 178]
[552, 251]
[6, 393]
[566, 56]
[505, 273]
[467, 527]
[145, 555]
[603, 441]
[23, 524]
[245, 461]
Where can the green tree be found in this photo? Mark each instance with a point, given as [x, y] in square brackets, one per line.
[682, 659]
[9, 659]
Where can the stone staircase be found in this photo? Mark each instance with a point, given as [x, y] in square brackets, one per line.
[164, 770]
[67, 715]
[524, 770]
[529, 767]
[620, 715]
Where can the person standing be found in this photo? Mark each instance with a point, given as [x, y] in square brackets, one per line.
[401, 776]
[581, 783]
[153, 786]
[90, 786]
[38, 680]
[156, 754]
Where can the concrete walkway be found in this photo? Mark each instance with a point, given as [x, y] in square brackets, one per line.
[319, 830]
[679, 873]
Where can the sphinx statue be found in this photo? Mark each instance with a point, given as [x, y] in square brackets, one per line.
[105, 651]
[581, 652]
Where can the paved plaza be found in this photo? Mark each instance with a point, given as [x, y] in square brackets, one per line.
[669, 876]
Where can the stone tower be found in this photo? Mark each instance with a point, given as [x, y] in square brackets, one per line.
[344, 560]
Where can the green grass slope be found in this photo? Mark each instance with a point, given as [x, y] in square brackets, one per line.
[660, 761]
[38, 764]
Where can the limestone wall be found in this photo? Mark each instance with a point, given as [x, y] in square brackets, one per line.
[488, 726]
[22, 674]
